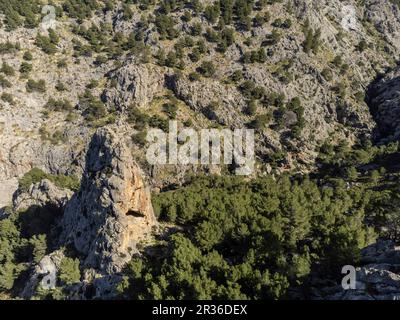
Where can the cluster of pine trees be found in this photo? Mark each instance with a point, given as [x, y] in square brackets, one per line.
[256, 239]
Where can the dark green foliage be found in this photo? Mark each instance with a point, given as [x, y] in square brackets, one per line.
[25, 68]
[69, 271]
[20, 13]
[278, 23]
[7, 69]
[59, 105]
[194, 76]
[48, 44]
[24, 239]
[237, 76]
[140, 138]
[93, 108]
[251, 91]
[36, 175]
[212, 36]
[207, 69]
[211, 12]
[28, 56]
[170, 109]
[158, 122]
[249, 239]
[197, 29]
[39, 247]
[273, 38]
[312, 41]
[60, 86]
[166, 26]
[36, 86]
[259, 20]
[260, 122]
[80, 9]
[295, 106]
[255, 56]
[362, 46]
[340, 89]
[4, 83]
[9, 47]
[7, 97]
[251, 108]
[327, 74]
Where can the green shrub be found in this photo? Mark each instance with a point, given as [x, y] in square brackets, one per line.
[207, 69]
[46, 44]
[36, 175]
[36, 86]
[7, 97]
[93, 108]
[4, 83]
[25, 68]
[69, 271]
[7, 69]
[248, 239]
[59, 105]
[28, 56]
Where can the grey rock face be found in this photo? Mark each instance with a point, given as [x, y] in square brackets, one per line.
[44, 274]
[135, 84]
[377, 279]
[385, 104]
[216, 101]
[41, 194]
[112, 211]
[384, 14]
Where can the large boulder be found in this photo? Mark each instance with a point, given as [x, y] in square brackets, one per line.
[41, 194]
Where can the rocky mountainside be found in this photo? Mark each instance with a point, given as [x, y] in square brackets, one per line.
[377, 279]
[77, 99]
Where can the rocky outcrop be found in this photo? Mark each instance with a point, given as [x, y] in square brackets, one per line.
[42, 194]
[44, 274]
[223, 104]
[384, 101]
[112, 211]
[378, 277]
[135, 84]
[385, 16]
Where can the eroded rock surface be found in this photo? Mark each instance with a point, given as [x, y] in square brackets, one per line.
[135, 85]
[385, 104]
[112, 211]
[41, 194]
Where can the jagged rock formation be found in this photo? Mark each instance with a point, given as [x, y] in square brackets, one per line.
[44, 274]
[135, 85]
[211, 98]
[384, 15]
[41, 194]
[112, 211]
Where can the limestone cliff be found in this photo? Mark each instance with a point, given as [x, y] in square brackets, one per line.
[112, 211]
